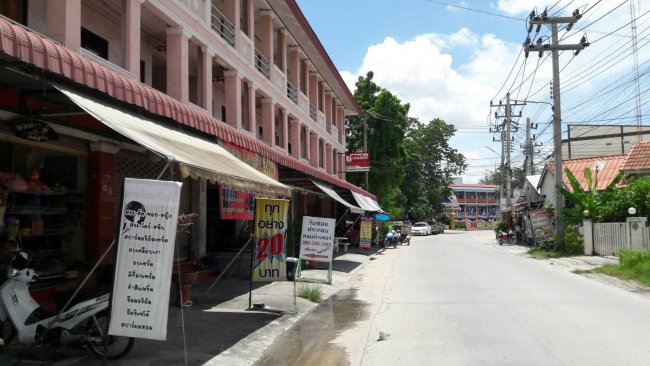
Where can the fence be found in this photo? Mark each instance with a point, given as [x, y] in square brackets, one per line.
[609, 238]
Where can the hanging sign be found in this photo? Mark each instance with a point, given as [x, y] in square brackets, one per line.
[357, 161]
[236, 205]
[540, 220]
[317, 239]
[144, 259]
[365, 233]
[270, 254]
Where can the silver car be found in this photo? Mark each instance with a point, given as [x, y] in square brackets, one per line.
[421, 228]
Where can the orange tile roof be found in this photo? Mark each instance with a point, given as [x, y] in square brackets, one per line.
[638, 158]
[608, 168]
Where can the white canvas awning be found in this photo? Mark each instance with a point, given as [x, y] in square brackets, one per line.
[332, 193]
[197, 158]
[366, 202]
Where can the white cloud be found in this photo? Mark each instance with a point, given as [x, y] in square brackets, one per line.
[422, 72]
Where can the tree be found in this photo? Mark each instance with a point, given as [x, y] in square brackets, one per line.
[590, 199]
[387, 121]
[636, 194]
[430, 164]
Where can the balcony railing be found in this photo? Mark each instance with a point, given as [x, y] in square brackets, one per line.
[262, 64]
[222, 26]
[292, 92]
[328, 128]
[312, 112]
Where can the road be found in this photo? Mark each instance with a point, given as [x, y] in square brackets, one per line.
[460, 299]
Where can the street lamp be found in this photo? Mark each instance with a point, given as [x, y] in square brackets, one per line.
[631, 211]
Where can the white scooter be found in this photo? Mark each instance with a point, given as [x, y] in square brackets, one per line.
[84, 324]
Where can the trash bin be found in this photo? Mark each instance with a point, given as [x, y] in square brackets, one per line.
[291, 268]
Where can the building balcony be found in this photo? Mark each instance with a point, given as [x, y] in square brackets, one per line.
[262, 64]
[223, 26]
[478, 200]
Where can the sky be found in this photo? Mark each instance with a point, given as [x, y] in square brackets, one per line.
[449, 60]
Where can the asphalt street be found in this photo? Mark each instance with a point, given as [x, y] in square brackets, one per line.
[461, 299]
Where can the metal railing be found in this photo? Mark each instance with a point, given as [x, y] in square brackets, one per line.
[312, 112]
[292, 92]
[223, 26]
[328, 128]
[262, 64]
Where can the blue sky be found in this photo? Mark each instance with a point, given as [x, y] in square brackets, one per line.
[449, 62]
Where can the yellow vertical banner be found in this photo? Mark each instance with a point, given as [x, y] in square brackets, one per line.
[270, 254]
[365, 233]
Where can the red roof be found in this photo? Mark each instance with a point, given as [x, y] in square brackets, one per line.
[638, 158]
[608, 168]
[29, 47]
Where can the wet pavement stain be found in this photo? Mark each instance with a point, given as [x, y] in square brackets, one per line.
[309, 341]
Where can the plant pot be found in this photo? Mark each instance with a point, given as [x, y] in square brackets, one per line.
[184, 289]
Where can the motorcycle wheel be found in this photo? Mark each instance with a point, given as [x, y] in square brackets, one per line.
[7, 331]
[118, 347]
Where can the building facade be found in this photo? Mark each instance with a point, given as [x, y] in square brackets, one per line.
[477, 204]
[247, 75]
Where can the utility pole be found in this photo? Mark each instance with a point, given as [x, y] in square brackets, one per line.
[508, 148]
[365, 146]
[505, 188]
[555, 47]
[528, 150]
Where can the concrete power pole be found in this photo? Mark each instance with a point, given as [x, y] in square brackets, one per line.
[365, 147]
[555, 47]
[508, 148]
[528, 150]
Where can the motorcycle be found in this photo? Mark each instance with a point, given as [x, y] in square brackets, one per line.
[404, 239]
[392, 238]
[82, 325]
[507, 237]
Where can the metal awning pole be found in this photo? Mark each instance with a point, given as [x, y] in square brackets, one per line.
[229, 264]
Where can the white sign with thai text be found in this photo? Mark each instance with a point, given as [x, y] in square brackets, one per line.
[145, 253]
[317, 239]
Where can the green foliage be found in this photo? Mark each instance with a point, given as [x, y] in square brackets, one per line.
[591, 199]
[573, 242]
[636, 194]
[387, 123]
[430, 164]
[411, 163]
[312, 293]
[541, 253]
[634, 264]
[500, 226]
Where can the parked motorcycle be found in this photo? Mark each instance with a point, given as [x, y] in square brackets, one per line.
[83, 325]
[392, 238]
[404, 239]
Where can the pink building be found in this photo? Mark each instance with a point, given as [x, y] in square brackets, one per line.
[250, 75]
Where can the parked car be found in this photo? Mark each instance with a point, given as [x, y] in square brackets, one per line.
[421, 228]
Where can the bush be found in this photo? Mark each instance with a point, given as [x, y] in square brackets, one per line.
[630, 258]
[573, 242]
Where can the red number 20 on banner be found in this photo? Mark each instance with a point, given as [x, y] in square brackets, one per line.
[276, 244]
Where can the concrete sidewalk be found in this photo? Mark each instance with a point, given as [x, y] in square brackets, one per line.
[219, 328]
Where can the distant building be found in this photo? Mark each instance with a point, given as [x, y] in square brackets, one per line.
[475, 204]
[457, 180]
[585, 141]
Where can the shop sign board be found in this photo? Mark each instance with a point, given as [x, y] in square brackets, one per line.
[365, 233]
[270, 253]
[540, 220]
[145, 256]
[235, 204]
[317, 239]
[357, 161]
[262, 164]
